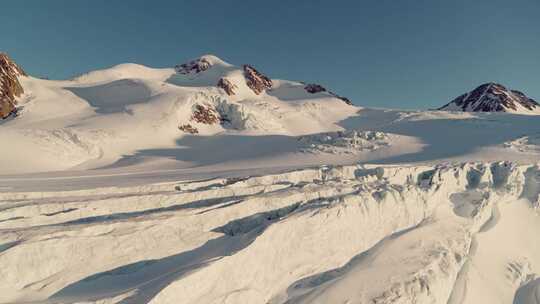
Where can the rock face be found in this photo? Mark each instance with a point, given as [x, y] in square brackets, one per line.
[202, 114]
[205, 115]
[314, 88]
[225, 76]
[317, 88]
[188, 129]
[227, 86]
[193, 67]
[10, 88]
[345, 99]
[256, 81]
[492, 97]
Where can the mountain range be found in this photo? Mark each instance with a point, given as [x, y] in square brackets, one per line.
[241, 83]
[209, 182]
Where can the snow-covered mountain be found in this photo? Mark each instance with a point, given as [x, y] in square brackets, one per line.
[97, 118]
[207, 113]
[493, 97]
[133, 117]
[209, 182]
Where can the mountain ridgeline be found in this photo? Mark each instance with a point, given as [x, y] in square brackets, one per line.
[246, 81]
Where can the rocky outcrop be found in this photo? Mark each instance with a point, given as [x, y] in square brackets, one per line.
[344, 99]
[193, 67]
[227, 86]
[314, 88]
[187, 128]
[10, 87]
[256, 81]
[317, 88]
[205, 115]
[492, 97]
[202, 114]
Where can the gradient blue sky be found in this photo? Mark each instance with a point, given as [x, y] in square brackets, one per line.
[382, 53]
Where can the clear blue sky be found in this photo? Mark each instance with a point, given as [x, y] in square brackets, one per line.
[383, 53]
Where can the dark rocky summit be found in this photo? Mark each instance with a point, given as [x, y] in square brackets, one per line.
[193, 67]
[255, 80]
[492, 97]
[10, 87]
[314, 88]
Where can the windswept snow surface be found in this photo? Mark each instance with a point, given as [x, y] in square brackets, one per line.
[141, 185]
[461, 233]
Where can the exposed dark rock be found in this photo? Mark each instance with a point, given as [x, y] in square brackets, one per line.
[227, 86]
[188, 129]
[193, 67]
[317, 88]
[205, 115]
[10, 87]
[314, 88]
[345, 99]
[256, 81]
[492, 97]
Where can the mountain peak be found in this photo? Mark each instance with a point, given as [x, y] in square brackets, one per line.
[213, 59]
[10, 88]
[493, 97]
[200, 64]
[8, 66]
[239, 81]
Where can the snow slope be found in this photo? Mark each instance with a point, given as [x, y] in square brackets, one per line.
[344, 234]
[106, 115]
[130, 119]
[419, 137]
